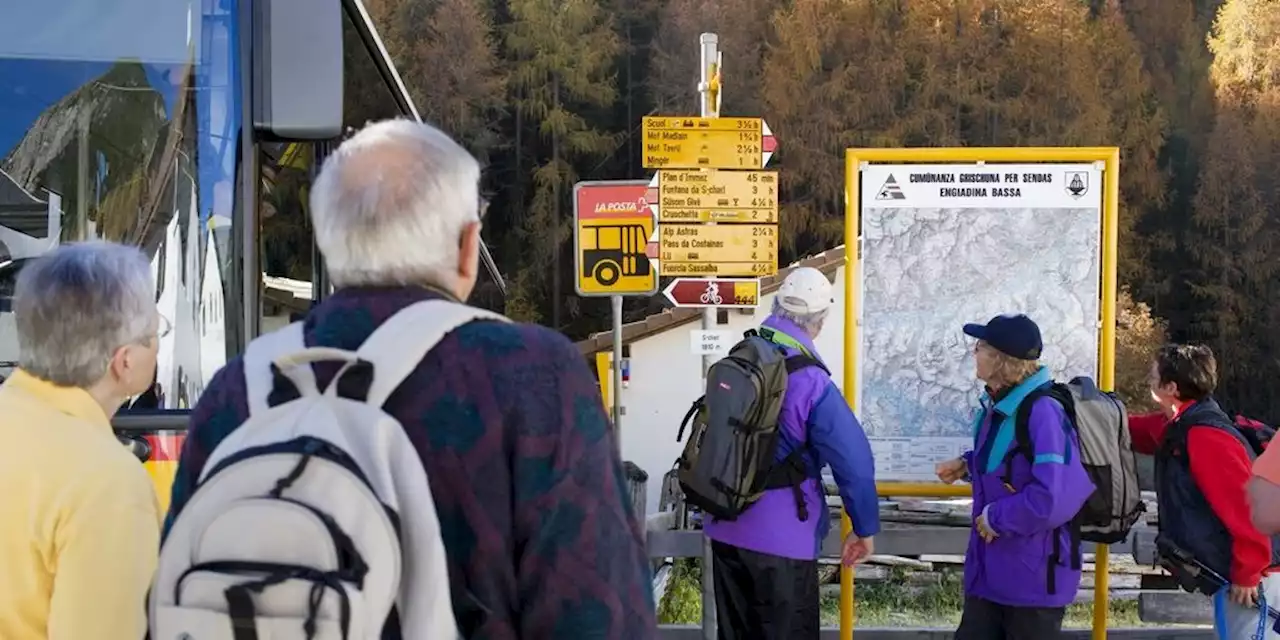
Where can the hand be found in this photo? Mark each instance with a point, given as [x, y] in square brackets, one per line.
[988, 534]
[856, 550]
[950, 470]
[1243, 596]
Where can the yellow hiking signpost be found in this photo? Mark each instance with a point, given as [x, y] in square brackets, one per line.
[702, 143]
[717, 215]
[690, 195]
[719, 249]
[717, 210]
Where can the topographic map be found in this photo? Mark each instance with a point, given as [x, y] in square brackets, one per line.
[928, 271]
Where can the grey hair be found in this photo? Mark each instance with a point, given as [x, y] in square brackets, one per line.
[76, 305]
[810, 322]
[390, 204]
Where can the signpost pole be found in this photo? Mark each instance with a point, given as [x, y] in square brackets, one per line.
[708, 107]
[616, 302]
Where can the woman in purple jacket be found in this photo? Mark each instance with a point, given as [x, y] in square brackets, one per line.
[1021, 569]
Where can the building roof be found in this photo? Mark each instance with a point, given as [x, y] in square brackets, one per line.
[827, 262]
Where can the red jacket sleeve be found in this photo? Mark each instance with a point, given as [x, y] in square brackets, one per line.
[1147, 430]
[1220, 467]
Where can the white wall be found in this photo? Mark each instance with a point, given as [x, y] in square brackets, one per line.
[666, 378]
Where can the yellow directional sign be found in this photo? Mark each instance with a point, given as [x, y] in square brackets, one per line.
[690, 195]
[702, 143]
[708, 124]
[718, 249]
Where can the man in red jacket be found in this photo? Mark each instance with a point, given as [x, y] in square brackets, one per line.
[1202, 465]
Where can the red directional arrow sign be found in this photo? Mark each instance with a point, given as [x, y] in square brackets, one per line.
[708, 292]
[768, 143]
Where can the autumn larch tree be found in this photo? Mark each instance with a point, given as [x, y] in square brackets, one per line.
[464, 97]
[1171, 36]
[563, 71]
[1235, 238]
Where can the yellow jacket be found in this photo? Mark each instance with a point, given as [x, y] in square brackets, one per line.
[79, 522]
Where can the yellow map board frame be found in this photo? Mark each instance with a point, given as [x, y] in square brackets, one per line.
[853, 161]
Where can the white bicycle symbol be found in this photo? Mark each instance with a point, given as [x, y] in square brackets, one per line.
[712, 294]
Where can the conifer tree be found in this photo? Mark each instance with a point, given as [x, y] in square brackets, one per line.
[563, 72]
[1235, 235]
[743, 29]
[464, 97]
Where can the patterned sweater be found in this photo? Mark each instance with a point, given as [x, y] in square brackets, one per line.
[531, 494]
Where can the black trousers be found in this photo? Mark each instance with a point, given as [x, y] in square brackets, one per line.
[764, 597]
[986, 620]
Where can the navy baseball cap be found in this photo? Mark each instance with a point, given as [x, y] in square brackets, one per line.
[1013, 335]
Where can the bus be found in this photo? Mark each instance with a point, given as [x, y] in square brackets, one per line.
[191, 129]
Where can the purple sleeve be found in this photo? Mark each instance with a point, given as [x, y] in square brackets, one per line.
[1059, 485]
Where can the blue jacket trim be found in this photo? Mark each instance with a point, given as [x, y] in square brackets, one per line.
[1005, 408]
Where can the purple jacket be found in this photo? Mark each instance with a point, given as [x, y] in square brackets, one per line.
[1045, 495]
[815, 415]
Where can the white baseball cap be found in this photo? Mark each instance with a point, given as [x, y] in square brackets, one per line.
[805, 290]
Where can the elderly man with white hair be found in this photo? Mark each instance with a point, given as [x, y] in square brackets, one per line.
[506, 417]
[765, 562]
[79, 520]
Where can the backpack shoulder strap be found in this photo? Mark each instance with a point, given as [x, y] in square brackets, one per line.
[688, 417]
[400, 343]
[259, 357]
[1022, 434]
[802, 361]
[1062, 393]
[1022, 422]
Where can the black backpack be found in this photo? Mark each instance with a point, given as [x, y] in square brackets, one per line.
[1102, 426]
[1256, 433]
[728, 460]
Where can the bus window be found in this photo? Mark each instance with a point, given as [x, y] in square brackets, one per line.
[285, 227]
[293, 277]
[368, 94]
[114, 124]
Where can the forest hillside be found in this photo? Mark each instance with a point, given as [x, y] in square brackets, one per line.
[550, 92]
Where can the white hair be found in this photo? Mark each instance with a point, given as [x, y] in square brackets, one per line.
[390, 204]
[810, 322]
[76, 305]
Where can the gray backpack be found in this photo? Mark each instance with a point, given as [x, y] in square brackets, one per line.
[729, 460]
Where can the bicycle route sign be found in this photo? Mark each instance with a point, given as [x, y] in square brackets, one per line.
[713, 292]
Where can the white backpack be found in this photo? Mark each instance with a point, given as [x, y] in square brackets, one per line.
[314, 518]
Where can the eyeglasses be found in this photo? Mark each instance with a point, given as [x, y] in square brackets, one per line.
[165, 327]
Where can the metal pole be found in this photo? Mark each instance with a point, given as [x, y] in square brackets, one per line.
[1107, 364]
[616, 302]
[710, 55]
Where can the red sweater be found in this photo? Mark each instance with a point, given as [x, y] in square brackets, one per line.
[1220, 467]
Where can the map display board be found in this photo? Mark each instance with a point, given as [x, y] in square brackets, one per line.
[947, 244]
